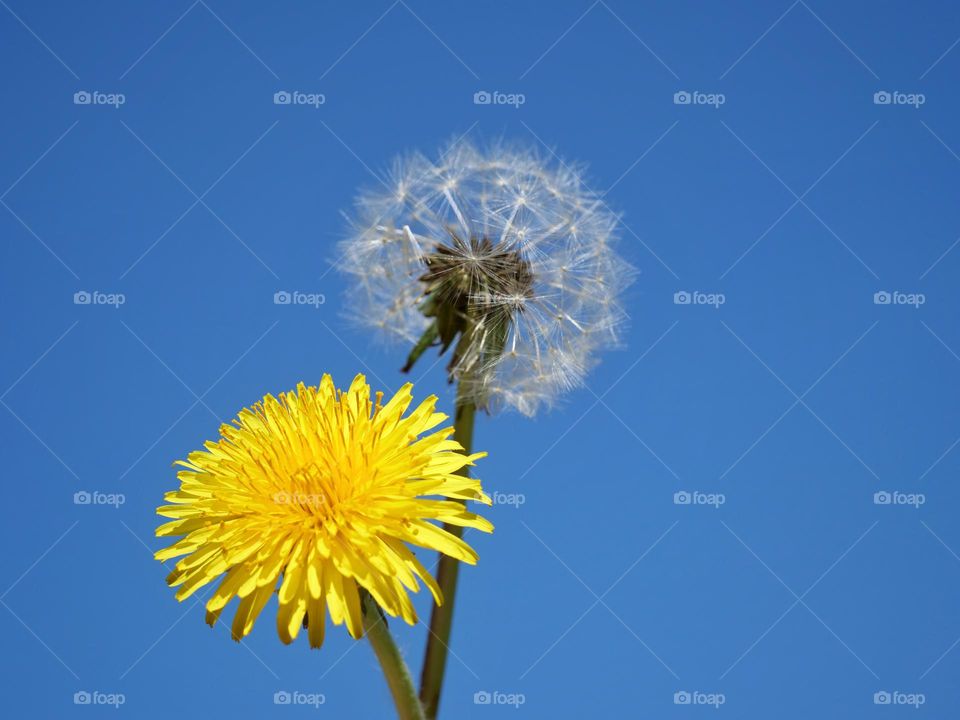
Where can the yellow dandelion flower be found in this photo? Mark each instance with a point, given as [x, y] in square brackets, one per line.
[319, 492]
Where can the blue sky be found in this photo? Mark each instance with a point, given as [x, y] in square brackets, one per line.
[787, 188]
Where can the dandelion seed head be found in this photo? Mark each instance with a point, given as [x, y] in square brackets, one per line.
[516, 238]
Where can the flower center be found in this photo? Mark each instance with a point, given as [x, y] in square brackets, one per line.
[306, 493]
[473, 289]
[477, 270]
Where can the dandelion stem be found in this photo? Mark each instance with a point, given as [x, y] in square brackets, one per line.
[394, 668]
[441, 619]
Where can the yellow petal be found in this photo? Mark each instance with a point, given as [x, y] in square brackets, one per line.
[248, 611]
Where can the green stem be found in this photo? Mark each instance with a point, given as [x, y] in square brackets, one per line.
[394, 668]
[441, 619]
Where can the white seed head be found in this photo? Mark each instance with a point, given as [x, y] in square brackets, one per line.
[524, 242]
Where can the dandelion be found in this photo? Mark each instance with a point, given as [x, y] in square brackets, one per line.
[505, 258]
[316, 495]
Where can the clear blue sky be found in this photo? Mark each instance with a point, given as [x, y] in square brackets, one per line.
[798, 198]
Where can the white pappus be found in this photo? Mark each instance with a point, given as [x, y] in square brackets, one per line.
[502, 255]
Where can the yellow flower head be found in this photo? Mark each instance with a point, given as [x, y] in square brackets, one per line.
[323, 489]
